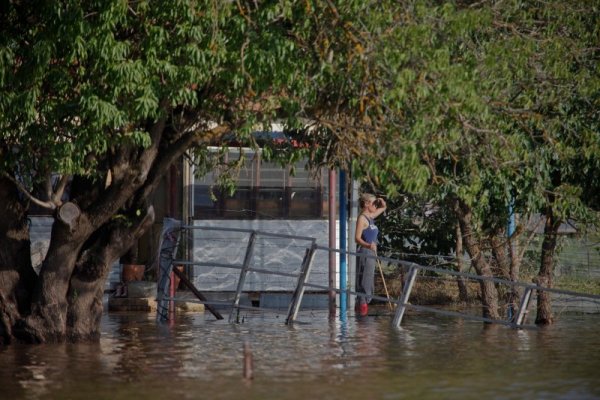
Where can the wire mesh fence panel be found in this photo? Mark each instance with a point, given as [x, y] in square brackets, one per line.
[276, 258]
[579, 257]
[213, 249]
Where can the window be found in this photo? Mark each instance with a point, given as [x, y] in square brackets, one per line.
[264, 191]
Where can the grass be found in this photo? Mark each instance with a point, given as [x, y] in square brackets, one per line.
[578, 284]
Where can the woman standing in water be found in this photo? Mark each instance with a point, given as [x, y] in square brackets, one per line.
[366, 239]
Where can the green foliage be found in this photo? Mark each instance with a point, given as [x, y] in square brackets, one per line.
[415, 229]
[79, 82]
[491, 103]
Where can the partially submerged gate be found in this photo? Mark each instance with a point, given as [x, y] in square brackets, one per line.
[295, 277]
[298, 278]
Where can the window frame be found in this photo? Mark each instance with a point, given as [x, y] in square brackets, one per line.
[246, 203]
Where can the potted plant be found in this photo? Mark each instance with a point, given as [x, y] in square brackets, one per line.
[131, 269]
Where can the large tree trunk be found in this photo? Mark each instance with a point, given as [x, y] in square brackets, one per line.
[17, 276]
[489, 294]
[65, 301]
[91, 270]
[48, 318]
[86, 287]
[544, 278]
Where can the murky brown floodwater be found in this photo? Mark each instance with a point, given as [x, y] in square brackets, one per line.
[199, 358]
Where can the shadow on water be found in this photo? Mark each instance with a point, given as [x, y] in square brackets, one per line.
[355, 358]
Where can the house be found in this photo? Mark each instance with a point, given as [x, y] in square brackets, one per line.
[288, 200]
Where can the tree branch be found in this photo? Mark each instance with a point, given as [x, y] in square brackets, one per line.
[60, 189]
[44, 204]
[176, 150]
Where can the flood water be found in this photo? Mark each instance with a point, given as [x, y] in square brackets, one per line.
[430, 357]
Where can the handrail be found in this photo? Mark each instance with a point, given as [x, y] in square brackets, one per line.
[234, 266]
[259, 232]
[467, 275]
[305, 268]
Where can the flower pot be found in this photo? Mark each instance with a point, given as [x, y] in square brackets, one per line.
[132, 272]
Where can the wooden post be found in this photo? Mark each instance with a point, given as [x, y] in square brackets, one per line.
[248, 362]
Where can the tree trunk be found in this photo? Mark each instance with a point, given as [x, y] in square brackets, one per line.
[87, 283]
[500, 254]
[48, 319]
[544, 278]
[17, 276]
[66, 301]
[502, 257]
[99, 223]
[86, 287]
[489, 294]
[463, 294]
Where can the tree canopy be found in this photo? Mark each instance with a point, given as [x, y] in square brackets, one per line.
[99, 98]
[490, 105]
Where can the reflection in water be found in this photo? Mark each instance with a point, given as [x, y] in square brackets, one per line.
[357, 358]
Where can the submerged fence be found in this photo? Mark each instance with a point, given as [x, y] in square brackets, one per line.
[294, 277]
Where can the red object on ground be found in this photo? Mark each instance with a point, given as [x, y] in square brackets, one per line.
[363, 309]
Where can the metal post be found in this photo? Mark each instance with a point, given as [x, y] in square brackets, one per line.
[299, 292]
[510, 230]
[523, 307]
[511, 219]
[195, 291]
[188, 209]
[332, 243]
[343, 230]
[163, 294]
[236, 301]
[351, 243]
[412, 275]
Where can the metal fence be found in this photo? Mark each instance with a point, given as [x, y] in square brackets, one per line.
[298, 274]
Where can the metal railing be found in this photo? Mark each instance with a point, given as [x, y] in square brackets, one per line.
[170, 242]
[168, 251]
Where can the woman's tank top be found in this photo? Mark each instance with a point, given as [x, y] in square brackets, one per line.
[369, 234]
